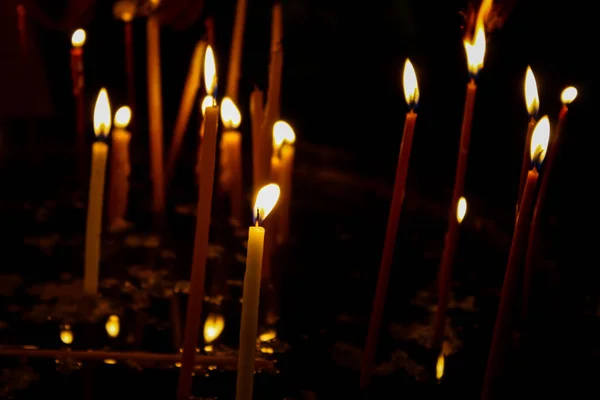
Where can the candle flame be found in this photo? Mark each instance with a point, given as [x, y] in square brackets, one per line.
[532, 99]
[461, 209]
[265, 201]
[210, 71]
[539, 140]
[411, 86]
[78, 38]
[213, 326]
[113, 326]
[230, 115]
[476, 51]
[102, 114]
[568, 95]
[207, 101]
[122, 117]
[282, 132]
[267, 336]
[439, 368]
[66, 335]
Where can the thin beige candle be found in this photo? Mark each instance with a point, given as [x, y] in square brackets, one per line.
[235, 56]
[257, 114]
[119, 168]
[230, 177]
[265, 202]
[93, 230]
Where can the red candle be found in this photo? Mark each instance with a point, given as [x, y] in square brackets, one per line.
[501, 340]
[411, 93]
[78, 40]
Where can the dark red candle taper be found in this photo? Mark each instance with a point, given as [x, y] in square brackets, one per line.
[533, 104]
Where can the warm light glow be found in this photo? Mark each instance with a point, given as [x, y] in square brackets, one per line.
[110, 361]
[476, 51]
[267, 336]
[230, 115]
[66, 336]
[207, 101]
[78, 38]
[213, 326]
[484, 11]
[210, 71]
[102, 114]
[266, 350]
[282, 132]
[113, 326]
[532, 99]
[439, 368]
[122, 117]
[568, 95]
[265, 201]
[461, 209]
[411, 87]
[539, 140]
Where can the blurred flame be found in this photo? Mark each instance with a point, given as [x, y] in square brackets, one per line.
[539, 139]
[207, 101]
[267, 336]
[476, 51]
[66, 336]
[210, 70]
[102, 114]
[230, 115]
[461, 209]
[532, 99]
[483, 13]
[265, 201]
[568, 95]
[110, 361]
[213, 326]
[122, 117]
[439, 368]
[113, 326]
[78, 38]
[266, 350]
[411, 86]
[282, 132]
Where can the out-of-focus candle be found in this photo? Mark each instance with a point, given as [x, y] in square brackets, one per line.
[439, 368]
[230, 177]
[66, 335]
[213, 327]
[125, 11]
[113, 326]
[235, 56]
[532, 101]
[259, 170]
[102, 122]
[77, 77]
[283, 150]
[265, 202]
[120, 167]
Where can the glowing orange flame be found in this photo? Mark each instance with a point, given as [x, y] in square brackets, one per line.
[230, 115]
[207, 101]
[461, 209]
[568, 95]
[214, 325]
[122, 117]
[210, 71]
[102, 114]
[66, 335]
[265, 201]
[282, 132]
[539, 140]
[532, 99]
[476, 51]
[411, 86]
[113, 326]
[78, 38]
[439, 368]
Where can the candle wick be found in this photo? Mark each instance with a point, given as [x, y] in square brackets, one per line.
[257, 216]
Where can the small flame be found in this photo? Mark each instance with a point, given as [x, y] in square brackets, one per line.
[230, 115]
[532, 99]
[102, 114]
[210, 70]
[568, 95]
[122, 117]
[267, 336]
[539, 140]
[66, 335]
[461, 209]
[113, 326]
[110, 361]
[214, 325]
[265, 201]
[282, 132]
[476, 51]
[439, 368]
[484, 11]
[78, 38]
[207, 101]
[411, 86]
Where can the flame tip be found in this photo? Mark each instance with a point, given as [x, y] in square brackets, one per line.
[266, 199]
[411, 85]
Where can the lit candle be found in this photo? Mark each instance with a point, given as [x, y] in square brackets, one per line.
[113, 326]
[125, 11]
[503, 328]
[475, 55]
[285, 153]
[213, 327]
[205, 195]
[259, 174]
[235, 56]
[411, 94]
[265, 202]
[439, 368]
[120, 168]
[96, 194]
[231, 157]
[532, 102]
[77, 77]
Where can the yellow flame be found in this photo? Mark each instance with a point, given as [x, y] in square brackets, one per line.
[568, 95]
[282, 132]
[265, 201]
[210, 70]
[266, 350]
[439, 368]
[476, 51]
[267, 336]
[207, 101]
[411, 86]
[66, 335]
[461, 209]
[230, 115]
[539, 139]
[484, 11]
[122, 117]
[110, 361]
[532, 99]
[78, 38]
[213, 326]
[102, 114]
[113, 326]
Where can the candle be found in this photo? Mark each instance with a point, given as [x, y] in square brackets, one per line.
[235, 56]
[77, 77]
[213, 327]
[119, 168]
[125, 11]
[207, 101]
[96, 193]
[155, 118]
[265, 202]
[439, 368]
[231, 157]
[259, 176]
[475, 55]
[113, 326]
[532, 102]
[411, 93]
[207, 171]
[501, 340]
[567, 97]
[284, 145]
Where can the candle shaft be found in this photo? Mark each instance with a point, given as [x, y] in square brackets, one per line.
[231, 171]
[78, 83]
[388, 250]
[129, 70]
[94, 219]
[283, 228]
[235, 56]
[526, 164]
[504, 318]
[119, 176]
[259, 174]
[249, 322]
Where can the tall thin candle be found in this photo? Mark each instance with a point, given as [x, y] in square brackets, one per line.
[532, 102]
[235, 56]
[259, 174]
[120, 168]
[77, 77]
[231, 157]
[285, 154]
